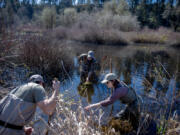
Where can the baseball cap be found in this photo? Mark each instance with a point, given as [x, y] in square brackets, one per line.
[91, 54]
[36, 78]
[109, 77]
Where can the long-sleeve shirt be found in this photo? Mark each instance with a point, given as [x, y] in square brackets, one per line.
[87, 65]
[117, 94]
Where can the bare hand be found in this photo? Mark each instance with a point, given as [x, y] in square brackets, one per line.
[87, 79]
[56, 85]
[87, 107]
[28, 130]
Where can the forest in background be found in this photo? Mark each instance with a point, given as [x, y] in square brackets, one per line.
[53, 13]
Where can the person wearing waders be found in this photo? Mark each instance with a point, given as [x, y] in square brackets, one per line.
[88, 66]
[126, 95]
[18, 107]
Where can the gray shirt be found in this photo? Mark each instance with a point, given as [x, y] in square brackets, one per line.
[31, 92]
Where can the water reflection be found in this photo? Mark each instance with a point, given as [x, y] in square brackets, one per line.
[154, 73]
[86, 90]
[149, 73]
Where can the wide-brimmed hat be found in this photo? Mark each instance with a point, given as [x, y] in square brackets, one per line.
[36, 78]
[109, 77]
[91, 54]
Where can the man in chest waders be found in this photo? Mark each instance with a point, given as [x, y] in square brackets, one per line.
[126, 95]
[18, 107]
[88, 65]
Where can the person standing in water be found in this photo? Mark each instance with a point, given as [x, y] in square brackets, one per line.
[126, 95]
[88, 66]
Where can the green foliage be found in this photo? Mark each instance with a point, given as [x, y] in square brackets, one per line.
[172, 14]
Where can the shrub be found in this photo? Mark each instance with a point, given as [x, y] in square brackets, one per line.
[121, 22]
[96, 35]
[42, 55]
[60, 33]
[125, 23]
[117, 8]
[69, 17]
[48, 17]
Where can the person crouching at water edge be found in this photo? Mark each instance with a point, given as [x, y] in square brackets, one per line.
[18, 107]
[126, 95]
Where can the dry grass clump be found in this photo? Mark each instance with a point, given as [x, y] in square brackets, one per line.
[174, 39]
[121, 126]
[71, 119]
[150, 36]
[67, 121]
[173, 127]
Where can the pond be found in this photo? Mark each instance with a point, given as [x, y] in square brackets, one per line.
[153, 71]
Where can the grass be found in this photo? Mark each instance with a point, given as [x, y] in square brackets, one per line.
[43, 54]
[67, 121]
[165, 110]
[70, 114]
[6, 43]
[175, 40]
[150, 37]
[173, 127]
[90, 32]
[98, 36]
[94, 34]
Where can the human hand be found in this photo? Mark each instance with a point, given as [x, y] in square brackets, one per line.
[56, 84]
[28, 130]
[87, 107]
[87, 79]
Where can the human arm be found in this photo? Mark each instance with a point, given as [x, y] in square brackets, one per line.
[48, 105]
[118, 93]
[92, 106]
[91, 70]
[89, 75]
[106, 102]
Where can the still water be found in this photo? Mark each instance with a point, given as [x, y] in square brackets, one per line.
[152, 71]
